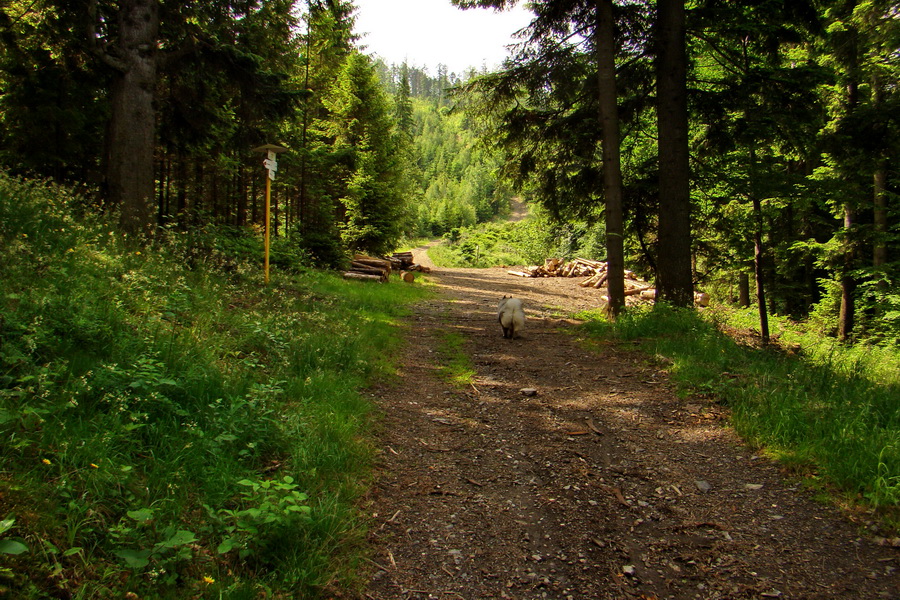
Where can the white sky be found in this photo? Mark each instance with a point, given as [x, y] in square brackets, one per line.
[427, 32]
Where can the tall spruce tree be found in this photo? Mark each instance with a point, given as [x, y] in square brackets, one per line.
[365, 158]
[541, 62]
[122, 52]
[758, 109]
[605, 47]
[674, 280]
[129, 44]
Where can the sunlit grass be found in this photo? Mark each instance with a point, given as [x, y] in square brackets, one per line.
[456, 364]
[828, 412]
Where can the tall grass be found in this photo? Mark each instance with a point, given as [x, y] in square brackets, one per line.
[828, 411]
[170, 426]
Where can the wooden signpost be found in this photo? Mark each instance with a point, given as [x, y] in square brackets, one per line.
[271, 165]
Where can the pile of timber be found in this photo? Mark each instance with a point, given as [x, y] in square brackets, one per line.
[369, 268]
[372, 268]
[579, 267]
[594, 275]
[403, 262]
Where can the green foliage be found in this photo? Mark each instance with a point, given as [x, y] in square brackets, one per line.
[366, 158]
[828, 411]
[799, 116]
[146, 396]
[529, 241]
[8, 546]
[139, 527]
[272, 510]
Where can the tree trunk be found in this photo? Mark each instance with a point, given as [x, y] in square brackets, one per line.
[674, 275]
[847, 315]
[743, 289]
[880, 253]
[241, 194]
[880, 180]
[274, 213]
[612, 171]
[758, 252]
[133, 120]
[181, 197]
[165, 185]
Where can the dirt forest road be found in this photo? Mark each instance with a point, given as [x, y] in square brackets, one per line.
[601, 485]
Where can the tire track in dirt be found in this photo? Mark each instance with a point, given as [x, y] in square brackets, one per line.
[602, 485]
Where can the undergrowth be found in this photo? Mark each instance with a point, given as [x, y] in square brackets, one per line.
[828, 412]
[170, 426]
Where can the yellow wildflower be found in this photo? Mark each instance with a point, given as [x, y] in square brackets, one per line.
[207, 579]
[46, 461]
[93, 466]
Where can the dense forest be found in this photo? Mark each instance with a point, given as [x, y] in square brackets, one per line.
[372, 154]
[748, 141]
[752, 146]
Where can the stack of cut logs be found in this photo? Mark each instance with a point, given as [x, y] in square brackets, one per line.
[594, 270]
[372, 268]
[595, 274]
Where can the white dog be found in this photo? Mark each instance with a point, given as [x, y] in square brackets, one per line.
[511, 317]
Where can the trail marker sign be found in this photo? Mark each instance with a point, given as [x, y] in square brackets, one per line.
[271, 165]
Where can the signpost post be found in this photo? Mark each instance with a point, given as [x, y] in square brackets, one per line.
[271, 165]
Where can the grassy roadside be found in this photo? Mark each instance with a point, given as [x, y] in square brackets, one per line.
[171, 427]
[827, 412]
[456, 364]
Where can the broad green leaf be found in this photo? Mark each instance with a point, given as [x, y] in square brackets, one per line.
[12, 547]
[6, 525]
[142, 515]
[181, 538]
[136, 559]
[226, 546]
